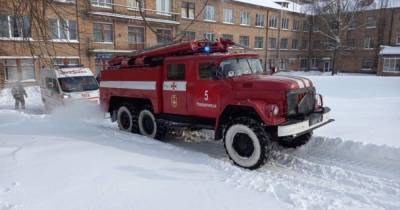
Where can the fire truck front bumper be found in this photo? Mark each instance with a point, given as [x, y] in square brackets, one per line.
[299, 127]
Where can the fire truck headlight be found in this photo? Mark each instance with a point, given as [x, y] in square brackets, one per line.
[65, 96]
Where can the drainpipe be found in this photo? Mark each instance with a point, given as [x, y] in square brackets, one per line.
[77, 30]
[266, 41]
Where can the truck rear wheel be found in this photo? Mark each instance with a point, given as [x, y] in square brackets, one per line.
[127, 118]
[149, 126]
[247, 143]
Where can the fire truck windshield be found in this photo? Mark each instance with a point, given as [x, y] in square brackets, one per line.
[78, 84]
[240, 66]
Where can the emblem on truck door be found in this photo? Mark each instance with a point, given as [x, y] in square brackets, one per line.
[174, 101]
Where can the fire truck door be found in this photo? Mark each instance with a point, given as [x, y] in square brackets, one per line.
[174, 89]
[204, 90]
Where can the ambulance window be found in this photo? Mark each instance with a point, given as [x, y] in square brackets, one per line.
[207, 71]
[176, 72]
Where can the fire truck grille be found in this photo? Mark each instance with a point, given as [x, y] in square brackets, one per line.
[300, 102]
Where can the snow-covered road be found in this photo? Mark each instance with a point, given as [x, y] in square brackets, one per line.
[74, 159]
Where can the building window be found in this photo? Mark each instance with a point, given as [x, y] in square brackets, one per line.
[187, 10]
[272, 43]
[189, 35]
[163, 7]
[296, 25]
[316, 27]
[227, 36]
[209, 36]
[136, 36]
[164, 36]
[284, 43]
[295, 44]
[244, 18]
[259, 42]
[228, 16]
[65, 61]
[260, 20]
[273, 22]
[371, 22]
[306, 26]
[14, 27]
[102, 3]
[283, 64]
[367, 63]
[244, 40]
[134, 4]
[18, 69]
[285, 23]
[398, 39]
[303, 63]
[315, 62]
[103, 32]
[209, 13]
[391, 65]
[352, 24]
[304, 44]
[369, 43]
[63, 29]
[351, 43]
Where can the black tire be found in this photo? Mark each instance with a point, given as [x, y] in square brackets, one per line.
[295, 142]
[247, 143]
[149, 125]
[127, 118]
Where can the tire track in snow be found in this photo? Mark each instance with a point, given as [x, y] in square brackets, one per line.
[328, 174]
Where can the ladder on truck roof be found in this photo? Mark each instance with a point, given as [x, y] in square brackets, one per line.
[155, 56]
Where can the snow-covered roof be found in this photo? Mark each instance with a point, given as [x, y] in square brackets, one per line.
[378, 4]
[389, 50]
[293, 7]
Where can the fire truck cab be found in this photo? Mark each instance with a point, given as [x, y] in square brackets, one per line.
[200, 85]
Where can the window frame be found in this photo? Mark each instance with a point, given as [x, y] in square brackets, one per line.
[273, 22]
[102, 3]
[260, 18]
[245, 19]
[188, 10]
[248, 41]
[285, 23]
[136, 33]
[102, 32]
[163, 7]
[392, 68]
[19, 66]
[282, 42]
[20, 28]
[258, 38]
[209, 10]
[67, 30]
[230, 19]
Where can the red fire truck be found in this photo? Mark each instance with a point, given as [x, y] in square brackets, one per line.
[199, 84]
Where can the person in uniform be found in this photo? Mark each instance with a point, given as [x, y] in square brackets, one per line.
[19, 94]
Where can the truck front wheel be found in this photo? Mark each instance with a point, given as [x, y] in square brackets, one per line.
[247, 143]
[148, 125]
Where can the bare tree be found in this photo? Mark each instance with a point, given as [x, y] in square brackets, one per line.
[334, 18]
[29, 22]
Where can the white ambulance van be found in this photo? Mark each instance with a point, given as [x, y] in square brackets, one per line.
[66, 84]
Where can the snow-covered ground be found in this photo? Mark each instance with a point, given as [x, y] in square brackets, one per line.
[75, 159]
